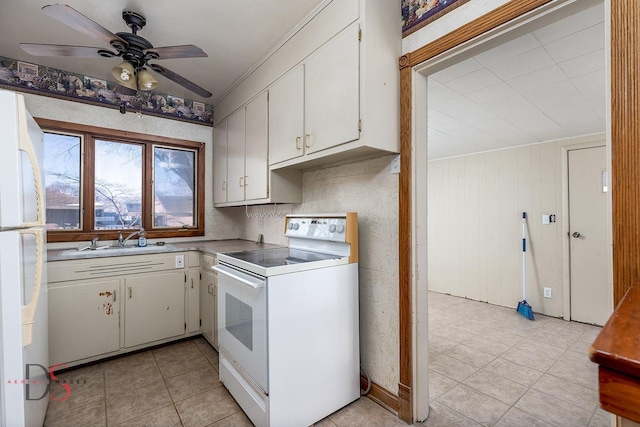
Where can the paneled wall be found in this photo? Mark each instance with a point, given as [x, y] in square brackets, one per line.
[369, 188]
[475, 206]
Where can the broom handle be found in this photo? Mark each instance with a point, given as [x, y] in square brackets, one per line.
[524, 256]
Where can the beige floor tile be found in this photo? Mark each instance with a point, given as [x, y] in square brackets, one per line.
[193, 382]
[439, 384]
[471, 356]
[163, 417]
[552, 410]
[135, 402]
[513, 371]
[209, 352]
[207, 408]
[516, 417]
[91, 415]
[575, 394]
[179, 358]
[131, 377]
[473, 404]
[486, 345]
[601, 418]
[495, 386]
[239, 419]
[364, 412]
[578, 373]
[535, 360]
[441, 416]
[76, 388]
[452, 368]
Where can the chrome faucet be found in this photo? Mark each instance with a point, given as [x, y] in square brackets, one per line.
[122, 242]
[94, 243]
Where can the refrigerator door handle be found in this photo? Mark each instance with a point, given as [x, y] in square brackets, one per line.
[26, 145]
[29, 310]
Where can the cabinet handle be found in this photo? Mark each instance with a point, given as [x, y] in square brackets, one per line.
[209, 289]
[129, 292]
[192, 283]
[224, 185]
[114, 295]
[241, 181]
[298, 146]
[246, 182]
[306, 140]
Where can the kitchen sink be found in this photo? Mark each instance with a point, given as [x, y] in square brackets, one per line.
[102, 251]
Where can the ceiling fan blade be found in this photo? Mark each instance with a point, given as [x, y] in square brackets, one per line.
[171, 52]
[61, 50]
[68, 15]
[180, 80]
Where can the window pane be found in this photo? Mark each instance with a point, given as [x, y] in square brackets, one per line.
[118, 185]
[174, 183]
[62, 180]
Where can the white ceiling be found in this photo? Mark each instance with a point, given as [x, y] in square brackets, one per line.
[545, 85]
[235, 34]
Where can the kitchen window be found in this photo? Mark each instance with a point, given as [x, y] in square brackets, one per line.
[101, 182]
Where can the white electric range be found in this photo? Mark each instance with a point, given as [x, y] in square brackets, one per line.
[288, 322]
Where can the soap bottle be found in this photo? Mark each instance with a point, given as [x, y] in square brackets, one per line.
[142, 238]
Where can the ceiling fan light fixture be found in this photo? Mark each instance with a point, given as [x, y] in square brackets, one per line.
[124, 73]
[146, 80]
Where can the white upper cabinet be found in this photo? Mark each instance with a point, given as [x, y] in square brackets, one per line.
[235, 156]
[332, 89]
[256, 149]
[220, 162]
[316, 105]
[286, 116]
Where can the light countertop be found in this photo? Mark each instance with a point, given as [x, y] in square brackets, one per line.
[212, 247]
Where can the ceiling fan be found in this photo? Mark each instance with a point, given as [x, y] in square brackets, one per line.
[134, 50]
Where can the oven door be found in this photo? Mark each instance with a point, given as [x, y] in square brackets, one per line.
[242, 322]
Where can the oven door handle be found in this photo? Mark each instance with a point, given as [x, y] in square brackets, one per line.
[229, 272]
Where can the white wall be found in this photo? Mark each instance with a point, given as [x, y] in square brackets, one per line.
[475, 206]
[219, 225]
[368, 188]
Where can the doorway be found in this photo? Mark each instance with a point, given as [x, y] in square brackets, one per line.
[588, 254]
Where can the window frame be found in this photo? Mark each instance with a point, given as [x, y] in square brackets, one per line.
[87, 182]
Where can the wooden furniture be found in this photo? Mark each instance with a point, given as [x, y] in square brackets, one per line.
[617, 351]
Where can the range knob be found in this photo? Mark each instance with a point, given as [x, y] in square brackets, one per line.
[290, 226]
[296, 226]
[332, 228]
[340, 228]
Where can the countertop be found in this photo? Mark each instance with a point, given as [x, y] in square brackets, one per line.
[211, 247]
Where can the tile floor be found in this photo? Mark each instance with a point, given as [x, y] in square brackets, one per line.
[488, 366]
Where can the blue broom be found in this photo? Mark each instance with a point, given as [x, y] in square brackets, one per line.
[523, 306]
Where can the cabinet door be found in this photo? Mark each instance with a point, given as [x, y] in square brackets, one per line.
[220, 162]
[332, 93]
[286, 117]
[193, 300]
[83, 320]
[207, 308]
[154, 307]
[235, 156]
[256, 148]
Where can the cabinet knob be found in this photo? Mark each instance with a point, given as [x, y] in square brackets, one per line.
[298, 146]
[224, 185]
[241, 181]
[306, 140]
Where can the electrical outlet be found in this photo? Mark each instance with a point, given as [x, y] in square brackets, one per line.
[395, 164]
[547, 292]
[179, 261]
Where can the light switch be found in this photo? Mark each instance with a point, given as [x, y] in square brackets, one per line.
[545, 220]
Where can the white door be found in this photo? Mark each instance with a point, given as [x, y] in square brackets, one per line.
[588, 236]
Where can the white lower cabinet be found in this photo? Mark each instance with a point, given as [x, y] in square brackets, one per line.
[103, 307]
[154, 307]
[209, 301]
[84, 319]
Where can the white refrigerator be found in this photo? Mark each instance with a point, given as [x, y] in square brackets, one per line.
[24, 358]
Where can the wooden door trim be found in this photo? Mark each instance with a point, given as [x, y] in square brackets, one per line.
[625, 123]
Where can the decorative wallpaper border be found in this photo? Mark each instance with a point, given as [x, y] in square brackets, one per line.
[47, 81]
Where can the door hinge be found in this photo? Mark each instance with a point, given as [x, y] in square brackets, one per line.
[185, 326]
[185, 277]
[360, 125]
[359, 35]
[200, 275]
[200, 322]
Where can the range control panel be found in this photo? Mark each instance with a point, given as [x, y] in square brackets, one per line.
[321, 228]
